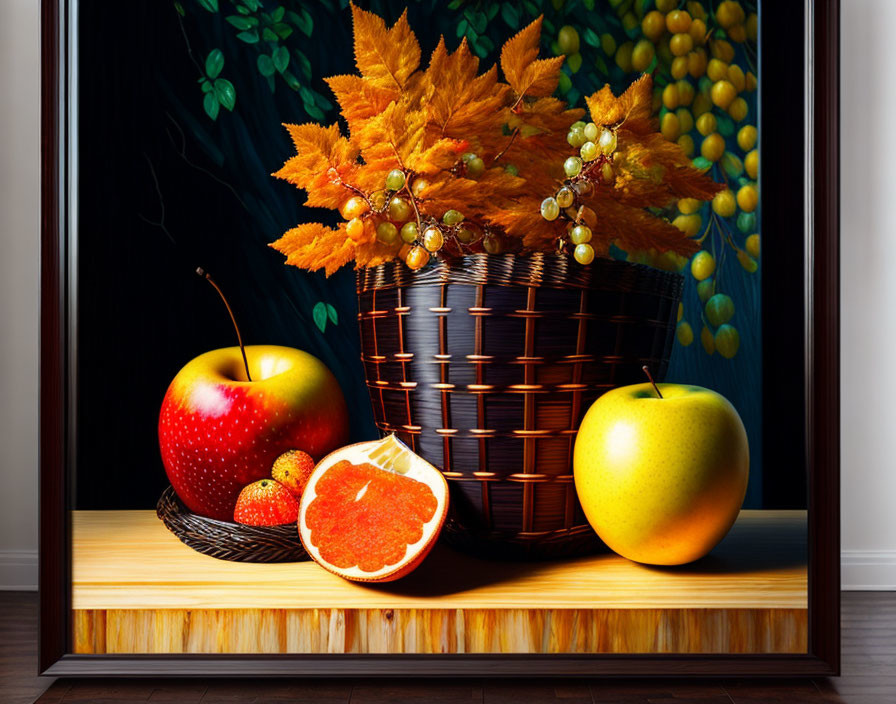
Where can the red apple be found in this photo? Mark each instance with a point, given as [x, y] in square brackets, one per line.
[219, 432]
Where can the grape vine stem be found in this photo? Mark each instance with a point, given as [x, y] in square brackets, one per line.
[407, 187]
[516, 131]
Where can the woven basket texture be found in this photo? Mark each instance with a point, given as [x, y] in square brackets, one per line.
[485, 366]
[230, 541]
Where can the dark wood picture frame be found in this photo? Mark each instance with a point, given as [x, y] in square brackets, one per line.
[815, 375]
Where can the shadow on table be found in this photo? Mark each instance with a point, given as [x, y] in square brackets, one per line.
[742, 551]
[745, 550]
[447, 571]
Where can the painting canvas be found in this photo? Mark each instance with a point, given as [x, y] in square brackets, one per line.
[416, 327]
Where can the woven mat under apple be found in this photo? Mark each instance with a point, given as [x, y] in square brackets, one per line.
[229, 541]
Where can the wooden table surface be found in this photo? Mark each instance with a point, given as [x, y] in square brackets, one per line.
[127, 561]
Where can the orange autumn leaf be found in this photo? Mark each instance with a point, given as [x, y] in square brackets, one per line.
[317, 149]
[373, 254]
[312, 246]
[392, 136]
[323, 160]
[359, 100]
[474, 197]
[654, 171]
[633, 107]
[524, 71]
[522, 219]
[460, 102]
[466, 141]
[385, 56]
[546, 115]
[635, 229]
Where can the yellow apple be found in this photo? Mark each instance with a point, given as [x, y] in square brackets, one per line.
[661, 480]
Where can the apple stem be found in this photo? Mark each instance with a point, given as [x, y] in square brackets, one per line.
[239, 338]
[650, 376]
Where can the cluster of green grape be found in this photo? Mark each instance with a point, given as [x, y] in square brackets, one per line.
[718, 310]
[592, 167]
[393, 216]
[703, 58]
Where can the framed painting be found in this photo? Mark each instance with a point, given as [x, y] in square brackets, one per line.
[439, 337]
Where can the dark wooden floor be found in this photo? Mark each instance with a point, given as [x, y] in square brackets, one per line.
[869, 676]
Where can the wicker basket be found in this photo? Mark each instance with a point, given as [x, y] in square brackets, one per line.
[485, 366]
[229, 541]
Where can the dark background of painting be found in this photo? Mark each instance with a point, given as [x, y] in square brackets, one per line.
[163, 189]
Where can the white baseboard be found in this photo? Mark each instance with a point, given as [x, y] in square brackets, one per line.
[868, 570]
[18, 570]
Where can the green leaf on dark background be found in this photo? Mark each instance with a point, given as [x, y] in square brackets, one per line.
[510, 15]
[225, 93]
[180, 9]
[268, 35]
[304, 64]
[314, 112]
[281, 58]
[564, 83]
[574, 61]
[321, 101]
[206, 86]
[319, 314]
[477, 20]
[590, 37]
[250, 37]
[214, 62]
[601, 65]
[283, 30]
[331, 312]
[589, 5]
[252, 4]
[265, 65]
[486, 44]
[492, 11]
[461, 28]
[277, 15]
[304, 22]
[725, 125]
[701, 163]
[210, 105]
[241, 23]
[210, 5]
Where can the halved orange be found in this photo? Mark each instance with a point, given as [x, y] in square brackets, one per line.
[372, 511]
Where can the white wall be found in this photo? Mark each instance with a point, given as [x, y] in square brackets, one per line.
[868, 281]
[868, 382]
[19, 290]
